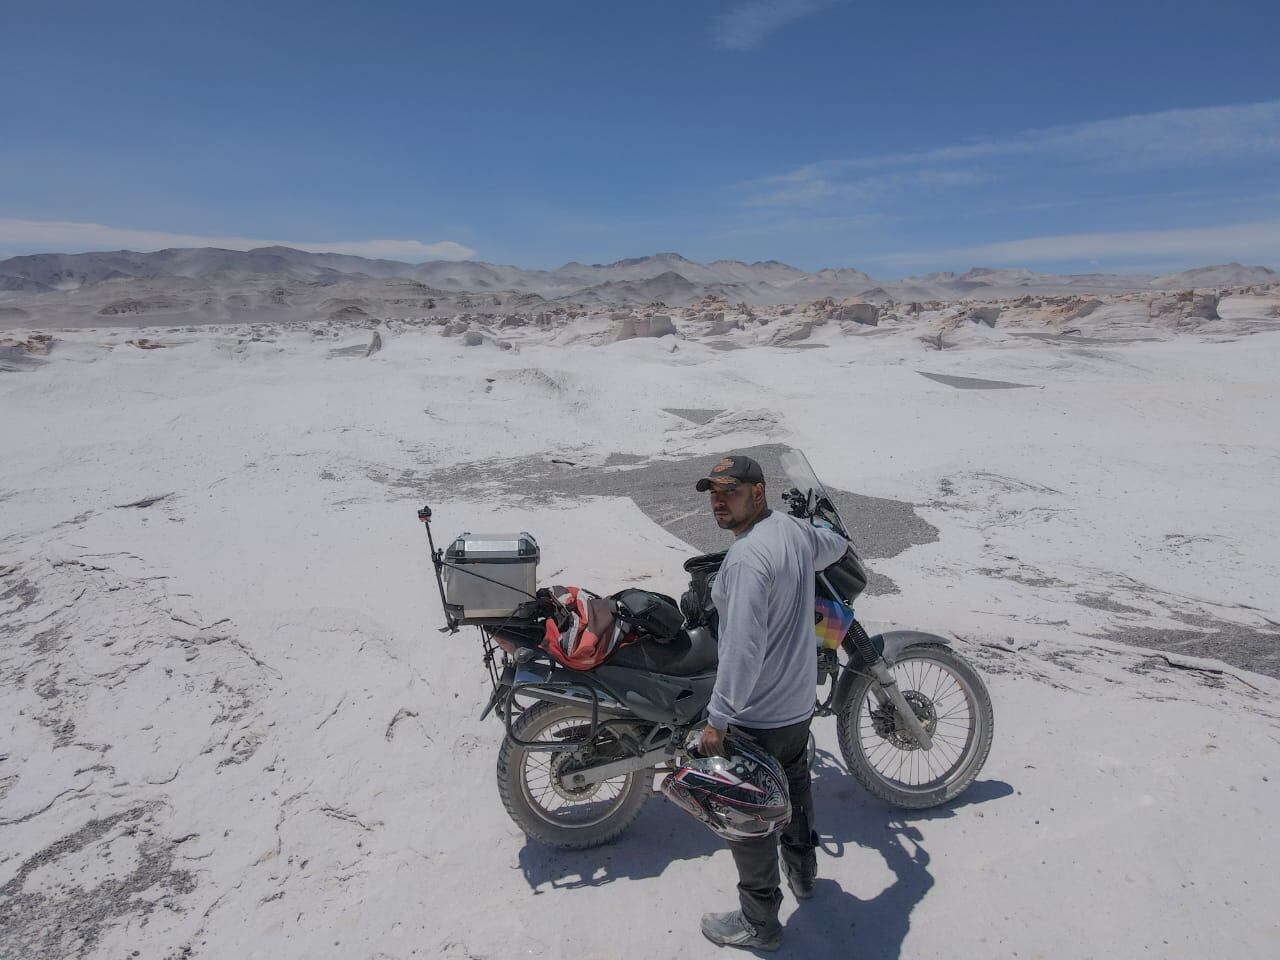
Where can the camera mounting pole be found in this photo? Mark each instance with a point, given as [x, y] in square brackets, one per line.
[437, 559]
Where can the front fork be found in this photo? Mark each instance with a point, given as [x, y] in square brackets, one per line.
[890, 691]
[865, 658]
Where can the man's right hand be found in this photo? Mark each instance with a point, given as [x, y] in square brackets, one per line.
[711, 743]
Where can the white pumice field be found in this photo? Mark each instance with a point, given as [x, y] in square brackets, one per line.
[231, 727]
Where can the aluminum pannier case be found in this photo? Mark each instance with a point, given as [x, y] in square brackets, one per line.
[488, 575]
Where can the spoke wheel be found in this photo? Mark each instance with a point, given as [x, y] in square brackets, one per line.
[950, 701]
[540, 798]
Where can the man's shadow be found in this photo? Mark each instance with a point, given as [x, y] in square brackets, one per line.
[851, 822]
[837, 922]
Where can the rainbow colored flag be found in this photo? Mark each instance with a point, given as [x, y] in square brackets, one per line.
[834, 620]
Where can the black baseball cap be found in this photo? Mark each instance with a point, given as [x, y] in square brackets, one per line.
[730, 473]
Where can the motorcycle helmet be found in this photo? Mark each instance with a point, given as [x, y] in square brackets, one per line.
[739, 797]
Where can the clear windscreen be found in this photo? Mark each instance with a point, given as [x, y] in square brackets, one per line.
[800, 475]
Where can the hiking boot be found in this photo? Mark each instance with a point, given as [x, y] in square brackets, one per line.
[799, 880]
[735, 930]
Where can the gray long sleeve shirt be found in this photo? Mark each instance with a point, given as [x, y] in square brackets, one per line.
[764, 593]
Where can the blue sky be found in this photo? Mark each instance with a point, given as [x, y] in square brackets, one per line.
[897, 138]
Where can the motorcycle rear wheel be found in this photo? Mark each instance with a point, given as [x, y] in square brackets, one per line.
[544, 808]
[950, 698]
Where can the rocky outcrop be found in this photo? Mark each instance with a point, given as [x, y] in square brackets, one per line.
[133, 305]
[1185, 310]
[987, 314]
[36, 345]
[349, 314]
[791, 332]
[1204, 306]
[1084, 308]
[866, 313]
[724, 325]
[653, 325]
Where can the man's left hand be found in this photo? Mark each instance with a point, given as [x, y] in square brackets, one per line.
[711, 743]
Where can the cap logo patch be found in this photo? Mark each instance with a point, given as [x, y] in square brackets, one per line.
[723, 465]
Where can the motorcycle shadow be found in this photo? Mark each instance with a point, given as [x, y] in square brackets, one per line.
[832, 924]
[660, 836]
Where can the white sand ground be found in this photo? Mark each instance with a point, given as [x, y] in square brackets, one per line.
[200, 750]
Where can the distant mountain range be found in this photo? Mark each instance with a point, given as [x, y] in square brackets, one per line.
[667, 277]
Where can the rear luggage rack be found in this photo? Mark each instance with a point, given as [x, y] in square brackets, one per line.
[536, 681]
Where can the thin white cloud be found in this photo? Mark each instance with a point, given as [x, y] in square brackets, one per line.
[813, 184]
[1170, 139]
[67, 236]
[1256, 242]
[745, 26]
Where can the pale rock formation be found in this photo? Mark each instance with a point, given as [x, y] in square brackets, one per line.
[653, 325]
[1204, 306]
[1185, 310]
[724, 325]
[792, 332]
[1085, 308]
[38, 344]
[822, 309]
[867, 313]
[988, 314]
[349, 314]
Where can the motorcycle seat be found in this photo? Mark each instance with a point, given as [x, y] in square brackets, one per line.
[689, 653]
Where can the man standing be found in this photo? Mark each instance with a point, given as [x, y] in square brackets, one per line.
[765, 682]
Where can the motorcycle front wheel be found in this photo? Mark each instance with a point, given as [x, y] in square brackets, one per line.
[950, 700]
[549, 811]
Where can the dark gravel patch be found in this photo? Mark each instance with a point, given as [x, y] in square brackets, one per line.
[973, 383]
[1247, 647]
[664, 491]
[693, 414]
[1100, 601]
[68, 921]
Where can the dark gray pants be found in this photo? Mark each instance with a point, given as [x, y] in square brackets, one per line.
[757, 860]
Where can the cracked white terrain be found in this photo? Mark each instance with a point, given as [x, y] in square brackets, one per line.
[230, 728]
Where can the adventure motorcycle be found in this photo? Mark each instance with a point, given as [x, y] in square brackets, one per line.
[582, 747]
